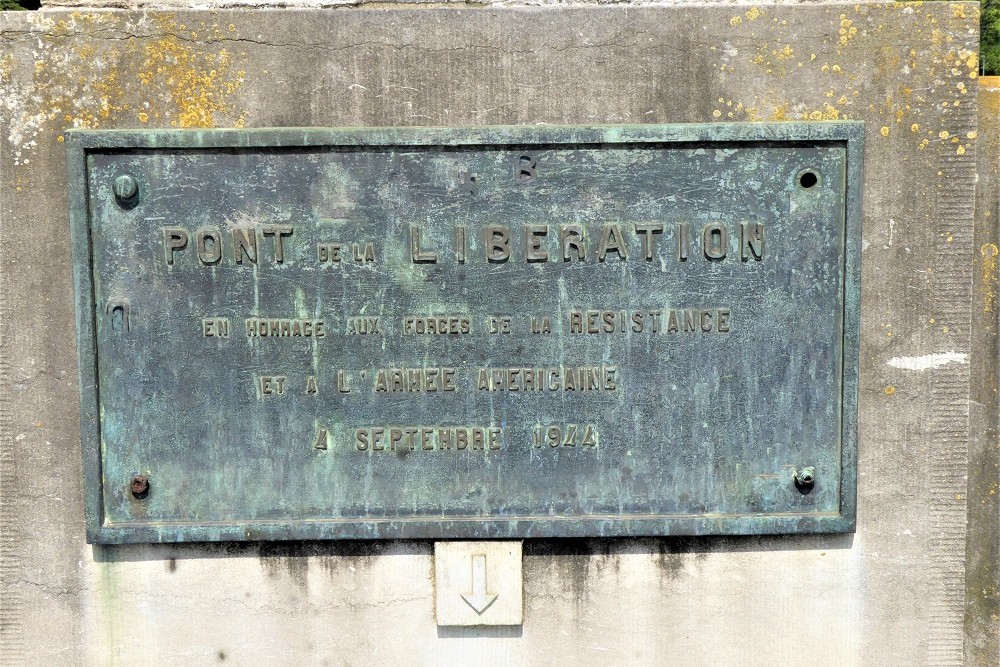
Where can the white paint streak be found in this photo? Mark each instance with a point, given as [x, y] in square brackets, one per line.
[928, 361]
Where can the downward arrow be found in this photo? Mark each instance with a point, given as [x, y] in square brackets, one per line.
[479, 599]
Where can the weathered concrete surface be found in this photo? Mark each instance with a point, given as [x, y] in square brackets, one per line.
[983, 543]
[318, 4]
[249, 4]
[893, 594]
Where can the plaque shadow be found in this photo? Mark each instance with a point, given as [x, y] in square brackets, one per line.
[480, 632]
[577, 547]
[572, 560]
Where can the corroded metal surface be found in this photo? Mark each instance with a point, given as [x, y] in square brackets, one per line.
[496, 332]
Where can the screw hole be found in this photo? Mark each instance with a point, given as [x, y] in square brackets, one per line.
[117, 318]
[808, 179]
[139, 487]
[804, 479]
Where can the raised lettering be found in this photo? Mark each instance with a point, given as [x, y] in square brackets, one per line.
[497, 243]
[611, 241]
[648, 240]
[174, 238]
[461, 244]
[715, 240]
[278, 232]
[532, 243]
[572, 239]
[751, 241]
[683, 240]
[420, 256]
[209, 245]
[244, 244]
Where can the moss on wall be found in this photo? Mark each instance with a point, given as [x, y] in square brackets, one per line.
[989, 25]
[8, 5]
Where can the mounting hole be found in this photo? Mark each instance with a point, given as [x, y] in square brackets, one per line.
[139, 487]
[808, 179]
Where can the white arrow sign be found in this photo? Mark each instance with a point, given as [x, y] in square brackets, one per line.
[479, 599]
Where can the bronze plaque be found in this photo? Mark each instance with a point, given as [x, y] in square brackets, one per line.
[492, 332]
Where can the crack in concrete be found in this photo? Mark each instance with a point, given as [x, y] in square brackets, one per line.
[119, 36]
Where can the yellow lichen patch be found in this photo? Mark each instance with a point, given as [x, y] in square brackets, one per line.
[890, 390]
[785, 53]
[847, 30]
[111, 98]
[989, 252]
[79, 80]
[736, 20]
[773, 107]
[199, 82]
[780, 112]
[884, 131]
[754, 13]
[915, 127]
[828, 112]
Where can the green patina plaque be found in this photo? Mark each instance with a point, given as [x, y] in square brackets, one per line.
[484, 332]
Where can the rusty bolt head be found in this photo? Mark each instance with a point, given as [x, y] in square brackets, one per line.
[126, 191]
[139, 487]
[805, 478]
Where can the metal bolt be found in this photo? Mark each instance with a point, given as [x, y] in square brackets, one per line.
[805, 478]
[139, 487]
[126, 190]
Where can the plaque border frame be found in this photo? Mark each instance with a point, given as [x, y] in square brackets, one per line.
[81, 143]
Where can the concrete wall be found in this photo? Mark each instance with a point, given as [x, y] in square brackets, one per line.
[983, 545]
[318, 4]
[892, 594]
